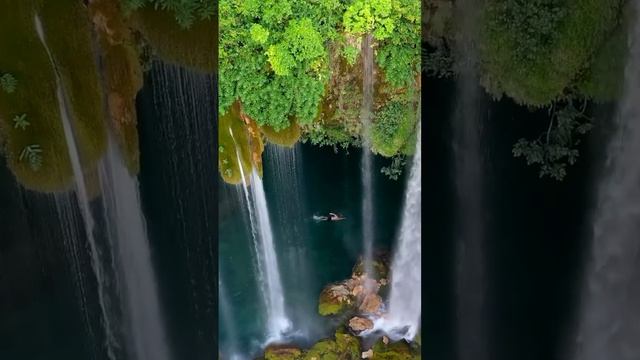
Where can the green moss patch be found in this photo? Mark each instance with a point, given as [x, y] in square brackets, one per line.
[282, 353]
[194, 47]
[394, 351]
[287, 137]
[228, 146]
[68, 33]
[25, 58]
[533, 53]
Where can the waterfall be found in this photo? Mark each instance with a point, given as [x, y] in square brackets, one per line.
[83, 200]
[269, 274]
[127, 231]
[283, 175]
[609, 324]
[405, 300]
[227, 325]
[367, 157]
[278, 321]
[471, 317]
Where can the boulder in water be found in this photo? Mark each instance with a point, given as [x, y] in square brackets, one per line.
[334, 299]
[367, 354]
[359, 324]
[371, 304]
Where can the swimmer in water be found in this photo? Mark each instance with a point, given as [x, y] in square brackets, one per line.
[336, 217]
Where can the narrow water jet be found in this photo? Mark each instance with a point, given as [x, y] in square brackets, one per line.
[366, 115]
[405, 300]
[609, 323]
[127, 231]
[83, 200]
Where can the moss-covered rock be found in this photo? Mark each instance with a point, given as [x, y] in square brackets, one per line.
[344, 347]
[400, 350]
[24, 56]
[380, 267]
[287, 137]
[229, 160]
[68, 34]
[122, 74]
[194, 47]
[282, 352]
[335, 299]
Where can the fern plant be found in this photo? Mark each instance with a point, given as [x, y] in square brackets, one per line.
[20, 121]
[8, 83]
[32, 153]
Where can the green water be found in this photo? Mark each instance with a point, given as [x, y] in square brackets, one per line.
[310, 254]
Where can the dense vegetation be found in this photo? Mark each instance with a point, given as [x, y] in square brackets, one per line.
[186, 12]
[295, 67]
[543, 54]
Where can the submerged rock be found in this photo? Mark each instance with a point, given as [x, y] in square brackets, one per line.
[359, 324]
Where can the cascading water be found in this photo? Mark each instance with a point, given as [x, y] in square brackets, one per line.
[366, 114]
[127, 232]
[609, 326]
[403, 318]
[468, 159]
[176, 112]
[83, 201]
[227, 324]
[283, 176]
[277, 321]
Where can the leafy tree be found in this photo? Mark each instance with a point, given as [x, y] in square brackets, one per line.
[392, 128]
[533, 51]
[8, 83]
[186, 11]
[273, 58]
[555, 150]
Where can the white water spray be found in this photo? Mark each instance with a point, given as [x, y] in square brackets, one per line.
[609, 326]
[277, 321]
[405, 301]
[128, 233]
[83, 198]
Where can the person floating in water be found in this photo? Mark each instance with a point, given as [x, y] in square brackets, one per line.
[335, 217]
[331, 217]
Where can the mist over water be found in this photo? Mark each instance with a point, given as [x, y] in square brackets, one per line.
[609, 322]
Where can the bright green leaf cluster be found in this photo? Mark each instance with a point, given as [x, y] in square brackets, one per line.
[275, 62]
